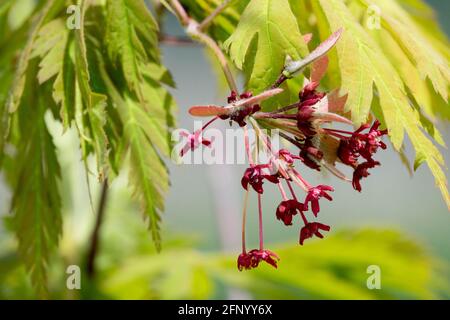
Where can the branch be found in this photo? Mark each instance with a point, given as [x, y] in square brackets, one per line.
[93, 250]
[176, 41]
[193, 29]
[181, 13]
[210, 43]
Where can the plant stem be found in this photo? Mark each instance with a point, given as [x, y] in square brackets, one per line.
[244, 221]
[194, 30]
[261, 232]
[291, 140]
[282, 78]
[95, 238]
[267, 115]
[247, 146]
[176, 41]
[292, 190]
[181, 13]
[209, 19]
[287, 108]
[283, 193]
[210, 43]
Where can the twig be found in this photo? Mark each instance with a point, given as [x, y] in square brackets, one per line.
[193, 30]
[95, 239]
[282, 78]
[209, 42]
[181, 13]
[209, 19]
[176, 41]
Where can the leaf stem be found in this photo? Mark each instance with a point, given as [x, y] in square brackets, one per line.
[95, 238]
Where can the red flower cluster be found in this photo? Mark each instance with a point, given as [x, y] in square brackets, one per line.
[309, 98]
[251, 259]
[241, 113]
[255, 176]
[361, 145]
[319, 147]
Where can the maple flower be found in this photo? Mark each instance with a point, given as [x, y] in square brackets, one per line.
[314, 194]
[287, 209]
[309, 153]
[360, 144]
[287, 156]
[244, 261]
[241, 114]
[254, 176]
[361, 171]
[250, 260]
[373, 141]
[265, 255]
[312, 229]
[194, 140]
[309, 97]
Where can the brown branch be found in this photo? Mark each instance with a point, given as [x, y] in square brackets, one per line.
[176, 41]
[193, 30]
[181, 13]
[95, 238]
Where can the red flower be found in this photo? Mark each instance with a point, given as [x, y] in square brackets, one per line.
[194, 140]
[264, 255]
[287, 209]
[244, 261]
[314, 194]
[308, 98]
[361, 144]
[288, 157]
[312, 229]
[373, 141]
[308, 153]
[361, 171]
[240, 115]
[250, 260]
[255, 176]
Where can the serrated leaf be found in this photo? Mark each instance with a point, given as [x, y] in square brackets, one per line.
[147, 137]
[91, 105]
[398, 114]
[429, 62]
[16, 91]
[36, 203]
[273, 28]
[125, 47]
[52, 46]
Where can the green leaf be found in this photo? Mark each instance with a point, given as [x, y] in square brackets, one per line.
[336, 268]
[430, 63]
[53, 47]
[147, 137]
[363, 65]
[126, 21]
[50, 9]
[90, 109]
[272, 28]
[36, 203]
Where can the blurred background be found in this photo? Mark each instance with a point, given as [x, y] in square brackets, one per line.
[398, 223]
